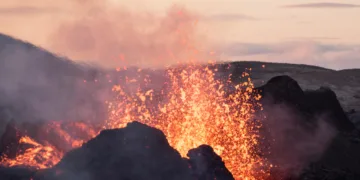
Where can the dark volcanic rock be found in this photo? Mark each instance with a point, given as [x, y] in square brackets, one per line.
[137, 152]
[207, 165]
[300, 129]
[283, 89]
[324, 101]
[309, 104]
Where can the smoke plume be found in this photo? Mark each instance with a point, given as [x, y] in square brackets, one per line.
[111, 35]
[293, 142]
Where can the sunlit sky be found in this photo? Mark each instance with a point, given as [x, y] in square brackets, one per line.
[269, 24]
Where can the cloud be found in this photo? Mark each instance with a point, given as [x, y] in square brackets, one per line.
[323, 5]
[230, 17]
[26, 10]
[300, 52]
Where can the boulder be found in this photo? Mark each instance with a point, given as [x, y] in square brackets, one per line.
[135, 152]
[309, 104]
[206, 164]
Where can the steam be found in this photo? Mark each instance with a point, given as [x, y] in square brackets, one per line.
[36, 85]
[294, 143]
[113, 36]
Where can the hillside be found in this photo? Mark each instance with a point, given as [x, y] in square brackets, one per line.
[36, 77]
[38, 85]
[345, 83]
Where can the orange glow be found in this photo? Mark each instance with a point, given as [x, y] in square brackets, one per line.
[199, 111]
[197, 108]
[48, 153]
[38, 156]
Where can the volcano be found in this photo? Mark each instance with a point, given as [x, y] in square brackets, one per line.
[208, 122]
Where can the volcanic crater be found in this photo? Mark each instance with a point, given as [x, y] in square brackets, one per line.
[238, 120]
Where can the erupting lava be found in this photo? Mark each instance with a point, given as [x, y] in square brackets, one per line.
[200, 110]
[196, 109]
[193, 109]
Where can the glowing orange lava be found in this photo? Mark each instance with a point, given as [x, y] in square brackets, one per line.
[38, 156]
[197, 109]
[56, 137]
[194, 109]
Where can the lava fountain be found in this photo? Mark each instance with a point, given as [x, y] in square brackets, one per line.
[192, 109]
[199, 109]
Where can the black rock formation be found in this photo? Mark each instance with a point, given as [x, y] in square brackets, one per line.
[325, 101]
[309, 104]
[137, 152]
[207, 165]
[281, 89]
[308, 131]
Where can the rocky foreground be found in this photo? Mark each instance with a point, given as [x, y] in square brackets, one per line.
[308, 135]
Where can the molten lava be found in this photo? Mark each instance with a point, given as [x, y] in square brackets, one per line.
[200, 110]
[193, 109]
[38, 156]
[52, 141]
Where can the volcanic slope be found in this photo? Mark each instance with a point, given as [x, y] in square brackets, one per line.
[36, 85]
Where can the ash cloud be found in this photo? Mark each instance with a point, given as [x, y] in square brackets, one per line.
[111, 35]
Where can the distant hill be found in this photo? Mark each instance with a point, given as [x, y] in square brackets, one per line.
[345, 83]
[42, 85]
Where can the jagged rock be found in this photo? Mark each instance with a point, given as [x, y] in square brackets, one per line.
[281, 89]
[141, 152]
[306, 127]
[309, 104]
[137, 152]
[324, 101]
[207, 165]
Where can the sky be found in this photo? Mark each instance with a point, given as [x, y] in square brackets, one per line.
[317, 32]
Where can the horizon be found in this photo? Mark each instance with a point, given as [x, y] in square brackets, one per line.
[297, 32]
